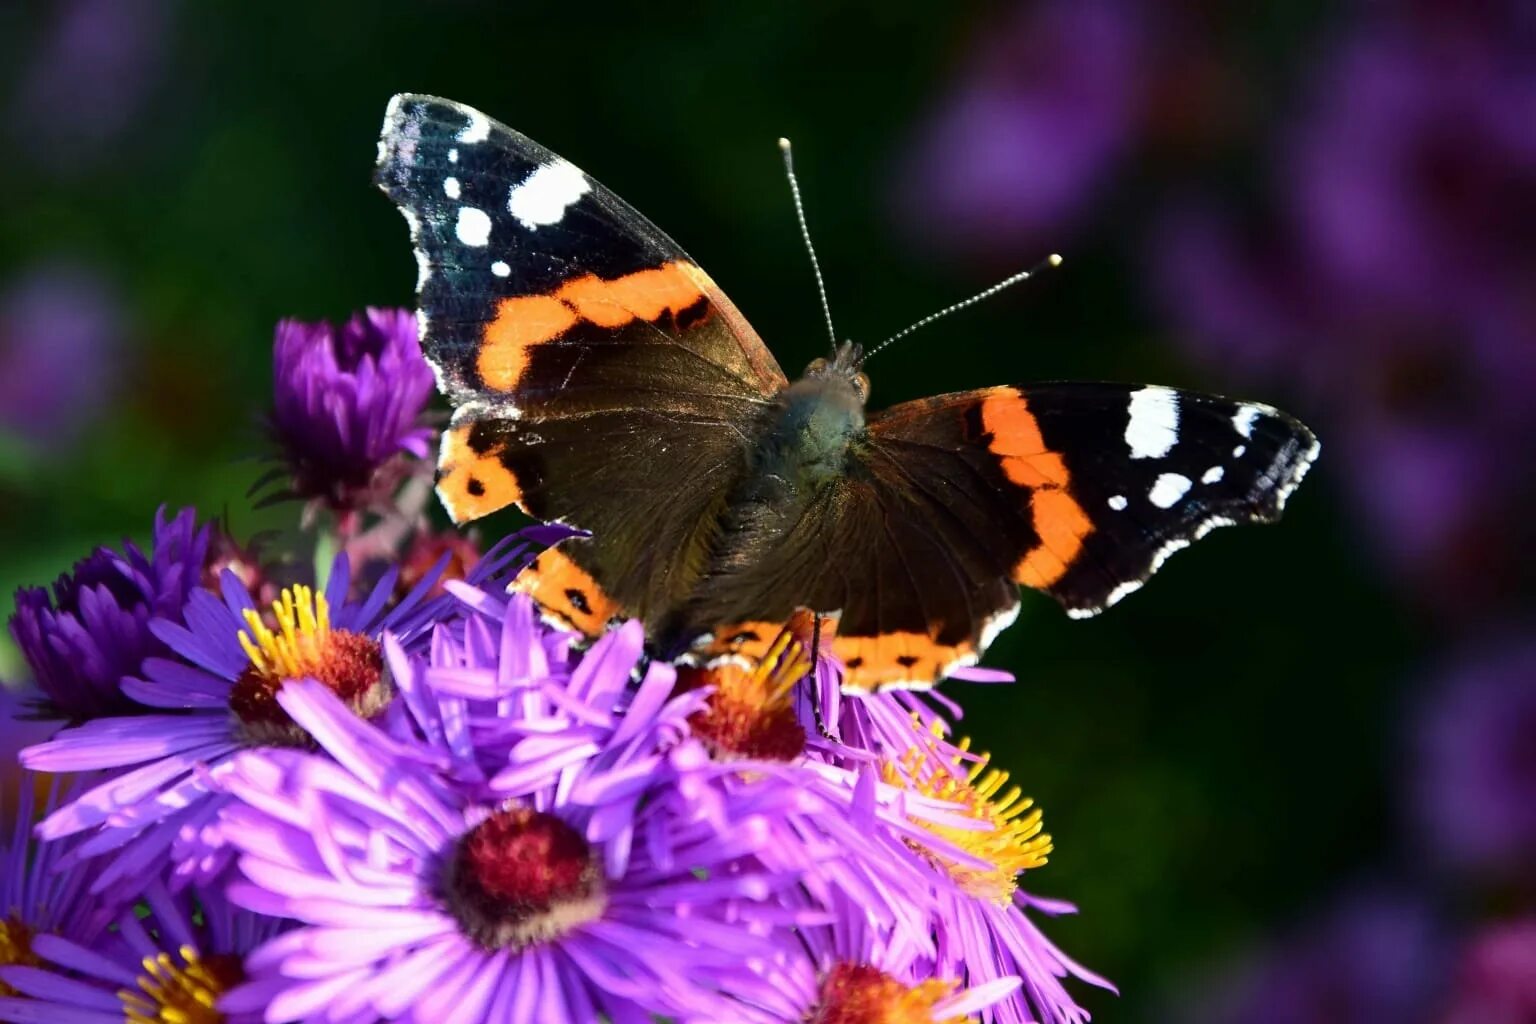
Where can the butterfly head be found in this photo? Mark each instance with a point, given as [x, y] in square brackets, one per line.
[844, 366]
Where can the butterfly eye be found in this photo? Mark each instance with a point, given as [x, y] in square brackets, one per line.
[816, 366]
[861, 385]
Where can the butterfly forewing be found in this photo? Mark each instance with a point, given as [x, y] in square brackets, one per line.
[598, 376]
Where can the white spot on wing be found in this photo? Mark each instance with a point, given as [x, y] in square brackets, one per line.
[1245, 417]
[1168, 489]
[474, 226]
[500, 268]
[1153, 428]
[453, 155]
[478, 129]
[545, 195]
[1237, 452]
[451, 187]
[1212, 475]
[1118, 502]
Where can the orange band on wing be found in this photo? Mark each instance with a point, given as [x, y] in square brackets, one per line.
[524, 321]
[1060, 522]
[908, 660]
[643, 295]
[1061, 525]
[521, 322]
[567, 593]
[473, 484]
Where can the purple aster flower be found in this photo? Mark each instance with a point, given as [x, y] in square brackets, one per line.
[843, 971]
[347, 405]
[603, 887]
[1496, 981]
[173, 964]
[39, 895]
[213, 697]
[1374, 957]
[94, 629]
[1034, 129]
[991, 836]
[971, 835]
[1476, 763]
[60, 336]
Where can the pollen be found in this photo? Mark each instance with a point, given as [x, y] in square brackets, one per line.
[1011, 840]
[861, 994]
[300, 643]
[751, 712]
[184, 989]
[15, 949]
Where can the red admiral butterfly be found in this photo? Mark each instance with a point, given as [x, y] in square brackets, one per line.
[601, 378]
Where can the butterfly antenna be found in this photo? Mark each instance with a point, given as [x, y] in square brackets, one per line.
[1050, 261]
[805, 233]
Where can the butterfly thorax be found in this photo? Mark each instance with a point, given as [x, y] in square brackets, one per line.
[816, 420]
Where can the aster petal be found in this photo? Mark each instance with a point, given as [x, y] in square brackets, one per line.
[171, 684]
[45, 985]
[310, 1000]
[88, 962]
[114, 742]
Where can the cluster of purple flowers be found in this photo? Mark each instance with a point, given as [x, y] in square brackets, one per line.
[396, 792]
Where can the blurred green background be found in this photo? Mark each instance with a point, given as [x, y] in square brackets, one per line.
[1216, 757]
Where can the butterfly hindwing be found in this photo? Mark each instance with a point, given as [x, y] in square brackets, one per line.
[951, 503]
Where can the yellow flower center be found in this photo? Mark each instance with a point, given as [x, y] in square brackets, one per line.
[15, 949]
[181, 993]
[302, 645]
[1012, 840]
[861, 994]
[298, 645]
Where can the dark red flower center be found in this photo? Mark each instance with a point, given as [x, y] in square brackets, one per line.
[737, 721]
[523, 876]
[751, 712]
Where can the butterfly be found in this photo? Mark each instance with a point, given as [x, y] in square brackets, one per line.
[601, 379]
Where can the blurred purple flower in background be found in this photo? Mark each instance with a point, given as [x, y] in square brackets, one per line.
[1375, 957]
[1030, 135]
[94, 628]
[88, 76]
[346, 402]
[60, 350]
[1496, 980]
[1476, 765]
[1414, 177]
[1389, 280]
